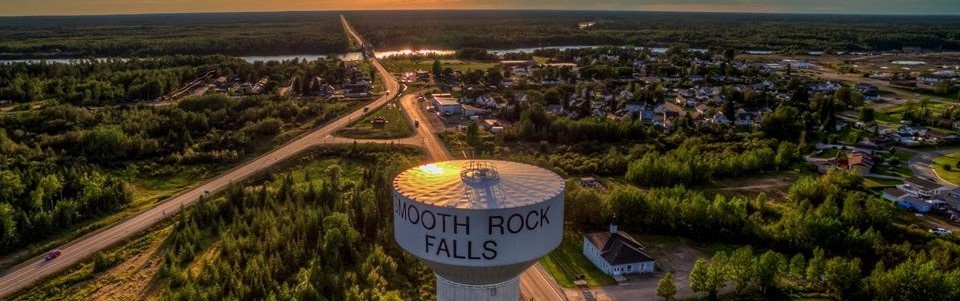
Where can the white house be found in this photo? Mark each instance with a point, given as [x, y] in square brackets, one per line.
[616, 253]
[922, 187]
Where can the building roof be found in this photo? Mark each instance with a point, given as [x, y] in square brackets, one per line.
[915, 181]
[618, 248]
[445, 100]
[478, 184]
[895, 192]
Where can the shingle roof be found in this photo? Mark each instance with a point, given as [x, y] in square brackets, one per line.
[922, 183]
[618, 248]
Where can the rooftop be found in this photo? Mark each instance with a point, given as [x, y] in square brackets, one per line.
[618, 247]
[478, 184]
[915, 181]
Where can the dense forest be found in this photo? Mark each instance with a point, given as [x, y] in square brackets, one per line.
[116, 81]
[62, 165]
[163, 34]
[510, 29]
[321, 233]
[829, 236]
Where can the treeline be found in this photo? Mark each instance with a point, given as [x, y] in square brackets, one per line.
[46, 199]
[314, 236]
[115, 81]
[772, 273]
[145, 35]
[535, 125]
[56, 162]
[691, 165]
[826, 219]
[787, 33]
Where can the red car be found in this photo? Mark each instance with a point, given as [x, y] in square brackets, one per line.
[53, 254]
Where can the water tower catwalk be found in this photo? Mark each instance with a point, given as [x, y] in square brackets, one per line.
[478, 224]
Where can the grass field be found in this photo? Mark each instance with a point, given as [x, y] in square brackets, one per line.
[567, 261]
[940, 166]
[407, 65]
[397, 125]
[871, 183]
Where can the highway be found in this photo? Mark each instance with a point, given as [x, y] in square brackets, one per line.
[32, 270]
[535, 283]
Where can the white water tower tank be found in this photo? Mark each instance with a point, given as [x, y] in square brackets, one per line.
[478, 224]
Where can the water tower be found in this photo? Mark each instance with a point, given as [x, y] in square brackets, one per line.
[478, 224]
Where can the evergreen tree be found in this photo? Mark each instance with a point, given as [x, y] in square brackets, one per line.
[666, 287]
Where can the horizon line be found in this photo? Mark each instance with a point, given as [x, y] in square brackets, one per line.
[878, 14]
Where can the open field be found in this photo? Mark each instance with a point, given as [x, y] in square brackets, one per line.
[397, 125]
[411, 65]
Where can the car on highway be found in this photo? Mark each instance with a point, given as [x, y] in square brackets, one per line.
[52, 255]
[940, 231]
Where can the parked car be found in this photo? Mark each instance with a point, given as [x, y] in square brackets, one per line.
[52, 255]
[940, 231]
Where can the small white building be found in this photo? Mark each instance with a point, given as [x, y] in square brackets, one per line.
[446, 104]
[617, 253]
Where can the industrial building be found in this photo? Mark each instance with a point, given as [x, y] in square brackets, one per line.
[446, 104]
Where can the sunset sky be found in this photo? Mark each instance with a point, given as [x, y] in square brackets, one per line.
[87, 7]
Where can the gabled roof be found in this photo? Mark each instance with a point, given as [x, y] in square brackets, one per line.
[895, 192]
[915, 181]
[618, 248]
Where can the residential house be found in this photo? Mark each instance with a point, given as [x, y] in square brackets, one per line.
[617, 253]
[719, 118]
[744, 118]
[859, 162]
[951, 197]
[870, 92]
[921, 187]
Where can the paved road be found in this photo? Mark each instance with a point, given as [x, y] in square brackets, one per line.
[535, 283]
[435, 149]
[34, 269]
[920, 164]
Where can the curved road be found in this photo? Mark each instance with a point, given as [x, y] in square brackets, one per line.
[920, 164]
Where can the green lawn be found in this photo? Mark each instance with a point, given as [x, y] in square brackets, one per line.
[870, 183]
[408, 65]
[829, 153]
[397, 125]
[900, 170]
[940, 165]
[567, 261]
